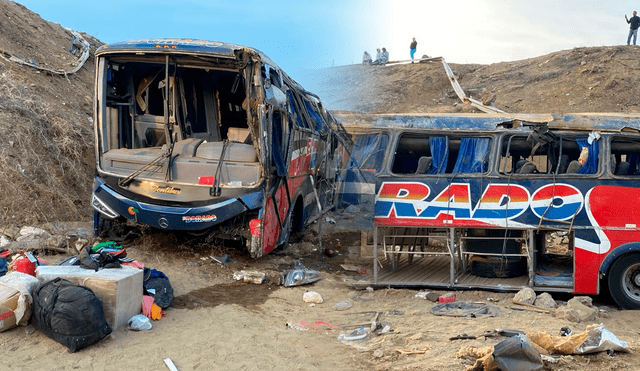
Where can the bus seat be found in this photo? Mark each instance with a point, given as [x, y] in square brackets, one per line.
[424, 164]
[622, 168]
[526, 167]
[519, 165]
[573, 167]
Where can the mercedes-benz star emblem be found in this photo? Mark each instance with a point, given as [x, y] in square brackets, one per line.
[162, 222]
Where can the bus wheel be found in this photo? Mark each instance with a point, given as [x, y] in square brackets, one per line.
[624, 281]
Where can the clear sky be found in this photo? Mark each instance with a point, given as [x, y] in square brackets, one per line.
[301, 34]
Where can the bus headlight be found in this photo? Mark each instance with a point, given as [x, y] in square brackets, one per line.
[102, 208]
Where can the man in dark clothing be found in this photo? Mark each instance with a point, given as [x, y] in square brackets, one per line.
[634, 23]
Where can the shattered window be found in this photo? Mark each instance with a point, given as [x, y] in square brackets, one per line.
[418, 153]
[556, 154]
[518, 156]
[368, 151]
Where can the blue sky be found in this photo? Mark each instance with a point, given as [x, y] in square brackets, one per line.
[301, 34]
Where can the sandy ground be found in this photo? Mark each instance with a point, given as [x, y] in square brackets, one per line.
[217, 323]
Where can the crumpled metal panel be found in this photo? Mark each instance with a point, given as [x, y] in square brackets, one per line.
[437, 122]
[601, 340]
[178, 45]
[596, 121]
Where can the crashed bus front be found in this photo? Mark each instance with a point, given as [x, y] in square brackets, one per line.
[205, 137]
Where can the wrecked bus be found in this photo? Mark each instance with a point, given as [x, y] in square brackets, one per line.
[500, 201]
[208, 138]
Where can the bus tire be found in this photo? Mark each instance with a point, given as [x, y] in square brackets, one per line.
[498, 267]
[624, 281]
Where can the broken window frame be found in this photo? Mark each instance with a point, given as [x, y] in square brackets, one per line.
[452, 157]
[552, 168]
[612, 152]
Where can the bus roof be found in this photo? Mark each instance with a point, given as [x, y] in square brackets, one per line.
[489, 122]
[180, 46]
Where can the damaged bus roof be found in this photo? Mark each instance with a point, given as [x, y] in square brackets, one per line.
[215, 48]
[489, 122]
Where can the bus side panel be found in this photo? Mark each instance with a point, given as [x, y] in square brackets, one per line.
[586, 272]
[617, 219]
[271, 231]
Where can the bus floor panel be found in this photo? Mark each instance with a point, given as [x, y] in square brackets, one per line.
[433, 272]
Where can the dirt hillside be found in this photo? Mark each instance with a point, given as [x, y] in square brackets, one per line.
[46, 133]
[602, 79]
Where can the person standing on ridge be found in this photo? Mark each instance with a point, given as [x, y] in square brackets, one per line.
[413, 47]
[634, 23]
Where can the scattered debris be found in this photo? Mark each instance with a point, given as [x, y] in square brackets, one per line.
[483, 358]
[300, 276]
[447, 298]
[501, 332]
[358, 334]
[594, 339]
[411, 351]
[170, 365]
[304, 326]
[353, 268]
[517, 353]
[466, 309]
[531, 307]
[330, 252]
[139, 322]
[77, 39]
[462, 336]
[255, 277]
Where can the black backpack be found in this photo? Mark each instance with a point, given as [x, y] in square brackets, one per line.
[69, 314]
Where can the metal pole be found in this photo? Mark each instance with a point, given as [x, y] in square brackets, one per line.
[375, 254]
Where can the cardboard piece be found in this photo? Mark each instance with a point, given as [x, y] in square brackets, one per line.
[15, 299]
[8, 304]
[119, 289]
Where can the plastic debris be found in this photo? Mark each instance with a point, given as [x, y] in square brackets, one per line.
[465, 309]
[600, 340]
[565, 331]
[517, 353]
[447, 298]
[421, 295]
[355, 335]
[317, 325]
[139, 322]
[594, 339]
